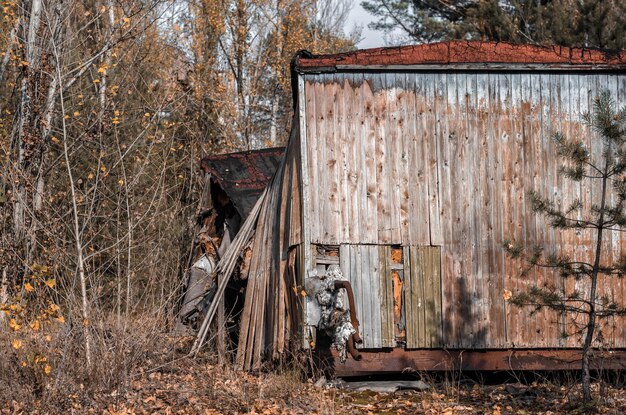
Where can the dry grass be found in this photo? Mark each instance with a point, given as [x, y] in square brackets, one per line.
[141, 370]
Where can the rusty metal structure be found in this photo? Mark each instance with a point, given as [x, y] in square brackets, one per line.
[408, 167]
[233, 183]
[243, 175]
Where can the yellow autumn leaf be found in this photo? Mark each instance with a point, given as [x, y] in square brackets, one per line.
[47, 369]
[23, 363]
[303, 293]
[61, 319]
[35, 325]
[85, 322]
[120, 182]
[47, 338]
[147, 114]
[51, 282]
[16, 344]
[28, 287]
[507, 295]
[101, 69]
[54, 139]
[126, 20]
[96, 81]
[90, 176]
[76, 113]
[13, 325]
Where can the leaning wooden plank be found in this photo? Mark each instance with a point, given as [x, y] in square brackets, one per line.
[225, 268]
[262, 293]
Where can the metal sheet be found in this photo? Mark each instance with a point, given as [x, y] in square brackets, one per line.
[463, 149]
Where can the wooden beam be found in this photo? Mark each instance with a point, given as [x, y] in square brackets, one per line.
[399, 360]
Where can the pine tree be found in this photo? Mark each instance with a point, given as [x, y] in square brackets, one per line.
[583, 23]
[606, 172]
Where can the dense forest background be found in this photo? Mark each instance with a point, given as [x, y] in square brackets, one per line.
[106, 108]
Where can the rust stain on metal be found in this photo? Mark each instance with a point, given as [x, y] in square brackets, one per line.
[466, 52]
[396, 255]
[398, 285]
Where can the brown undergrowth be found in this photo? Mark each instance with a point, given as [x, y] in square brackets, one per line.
[139, 370]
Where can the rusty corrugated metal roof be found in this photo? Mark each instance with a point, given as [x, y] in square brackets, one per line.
[244, 175]
[466, 52]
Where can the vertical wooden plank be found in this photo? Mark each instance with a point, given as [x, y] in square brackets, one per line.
[491, 239]
[335, 168]
[391, 163]
[358, 179]
[426, 300]
[510, 158]
[373, 270]
[450, 238]
[345, 209]
[423, 297]
[417, 279]
[420, 130]
[311, 146]
[385, 314]
[460, 154]
[476, 200]
[382, 166]
[432, 155]
[404, 146]
[564, 189]
[321, 194]
[436, 332]
[370, 130]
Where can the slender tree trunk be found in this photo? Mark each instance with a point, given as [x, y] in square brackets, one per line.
[591, 322]
[80, 264]
[7, 53]
[110, 14]
[26, 147]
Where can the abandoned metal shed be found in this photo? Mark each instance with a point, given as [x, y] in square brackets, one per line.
[233, 183]
[408, 167]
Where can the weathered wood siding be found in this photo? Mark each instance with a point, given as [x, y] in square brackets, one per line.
[445, 159]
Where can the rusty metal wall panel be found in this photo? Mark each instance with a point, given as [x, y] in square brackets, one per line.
[422, 270]
[446, 159]
[372, 293]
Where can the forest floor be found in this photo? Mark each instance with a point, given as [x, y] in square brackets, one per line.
[179, 385]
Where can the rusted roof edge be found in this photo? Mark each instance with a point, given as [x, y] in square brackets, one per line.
[469, 53]
[474, 67]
